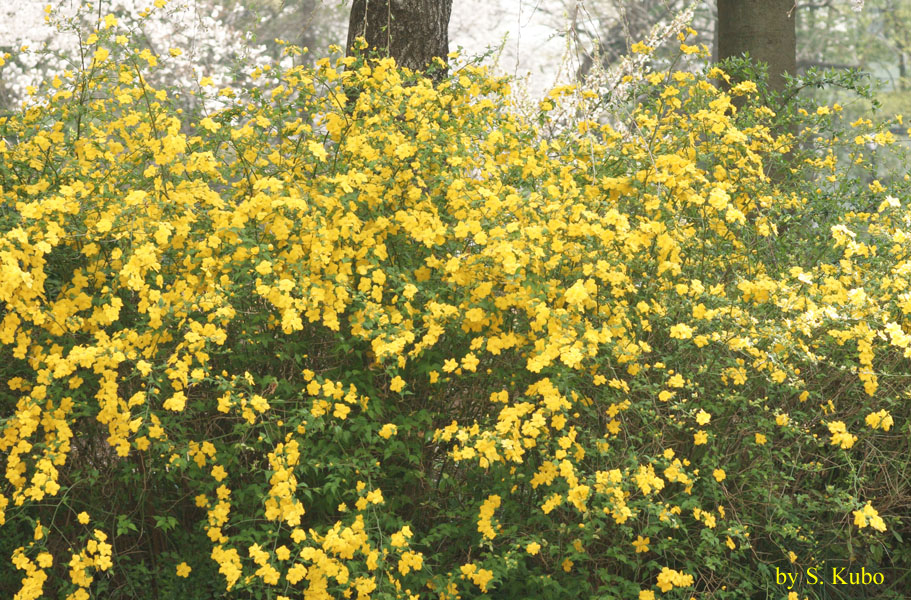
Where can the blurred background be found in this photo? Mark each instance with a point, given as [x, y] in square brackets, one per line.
[543, 43]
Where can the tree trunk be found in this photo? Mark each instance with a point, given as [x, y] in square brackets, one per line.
[764, 28]
[413, 32]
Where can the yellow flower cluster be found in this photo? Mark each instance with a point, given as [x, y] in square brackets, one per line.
[869, 516]
[669, 579]
[282, 504]
[840, 435]
[479, 577]
[35, 577]
[485, 525]
[96, 555]
[647, 480]
[880, 420]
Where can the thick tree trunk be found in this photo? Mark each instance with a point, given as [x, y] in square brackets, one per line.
[413, 32]
[764, 28]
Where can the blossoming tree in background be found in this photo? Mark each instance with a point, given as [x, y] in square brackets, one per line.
[207, 36]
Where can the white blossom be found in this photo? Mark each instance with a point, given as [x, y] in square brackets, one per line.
[51, 38]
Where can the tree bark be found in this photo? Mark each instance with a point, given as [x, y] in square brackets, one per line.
[413, 32]
[764, 28]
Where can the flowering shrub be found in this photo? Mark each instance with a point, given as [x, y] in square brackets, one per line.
[352, 335]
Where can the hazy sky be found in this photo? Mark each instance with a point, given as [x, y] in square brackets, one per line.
[528, 27]
[525, 29]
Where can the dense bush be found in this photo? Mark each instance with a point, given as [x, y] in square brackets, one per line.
[353, 335]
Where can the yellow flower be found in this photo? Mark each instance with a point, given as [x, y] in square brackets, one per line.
[296, 573]
[533, 548]
[317, 150]
[881, 419]
[264, 267]
[399, 539]
[103, 225]
[719, 475]
[700, 437]
[641, 544]
[869, 516]
[388, 430]
[669, 578]
[746, 87]
[577, 295]
[702, 417]
[259, 403]
[183, 570]
[760, 439]
[83, 518]
[470, 362]
[411, 561]
[177, 402]
[840, 436]
[397, 384]
[681, 331]
[209, 124]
